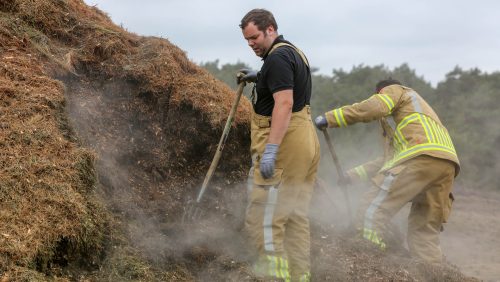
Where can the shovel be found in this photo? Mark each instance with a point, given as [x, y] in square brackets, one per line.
[340, 172]
[193, 211]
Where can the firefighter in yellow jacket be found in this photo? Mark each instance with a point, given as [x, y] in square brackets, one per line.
[418, 166]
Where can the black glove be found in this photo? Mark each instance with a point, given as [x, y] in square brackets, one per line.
[246, 75]
[321, 122]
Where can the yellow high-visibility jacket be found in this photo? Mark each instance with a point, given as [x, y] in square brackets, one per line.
[410, 128]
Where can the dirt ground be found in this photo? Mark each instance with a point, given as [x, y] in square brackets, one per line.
[471, 239]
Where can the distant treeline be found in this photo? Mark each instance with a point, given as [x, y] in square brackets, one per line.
[467, 101]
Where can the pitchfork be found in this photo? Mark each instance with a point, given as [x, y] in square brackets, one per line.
[192, 210]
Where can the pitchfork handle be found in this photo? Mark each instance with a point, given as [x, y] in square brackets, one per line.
[329, 142]
[340, 172]
[222, 141]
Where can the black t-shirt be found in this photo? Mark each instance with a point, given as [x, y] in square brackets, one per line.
[283, 69]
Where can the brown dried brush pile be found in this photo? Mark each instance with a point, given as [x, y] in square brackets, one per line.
[69, 79]
[74, 36]
[46, 180]
[49, 217]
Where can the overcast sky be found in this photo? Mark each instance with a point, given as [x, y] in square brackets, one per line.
[432, 36]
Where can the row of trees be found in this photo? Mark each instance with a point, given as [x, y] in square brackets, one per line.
[467, 102]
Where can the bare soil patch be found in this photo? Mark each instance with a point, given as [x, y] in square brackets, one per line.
[471, 239]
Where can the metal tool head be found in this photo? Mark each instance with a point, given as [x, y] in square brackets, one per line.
[192, 212]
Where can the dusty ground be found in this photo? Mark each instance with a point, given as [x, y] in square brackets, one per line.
[470, 240]
[472, 237]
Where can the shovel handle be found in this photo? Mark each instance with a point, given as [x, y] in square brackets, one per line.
[222, 142]
[329, 142]
[340, 172]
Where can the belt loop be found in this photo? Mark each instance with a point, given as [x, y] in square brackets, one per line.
[264, 123]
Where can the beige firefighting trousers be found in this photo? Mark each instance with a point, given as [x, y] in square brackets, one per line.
[426, 182]
[277, 214]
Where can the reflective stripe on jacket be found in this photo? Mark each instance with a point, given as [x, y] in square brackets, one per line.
[411, 127]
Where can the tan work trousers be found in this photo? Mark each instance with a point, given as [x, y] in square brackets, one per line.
[277, 214]
[426, 182]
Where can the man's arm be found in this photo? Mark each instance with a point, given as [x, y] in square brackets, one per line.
[373, 108]
[366, 171]
[282, 112]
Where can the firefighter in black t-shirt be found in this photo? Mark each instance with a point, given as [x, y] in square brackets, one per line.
[285, 152]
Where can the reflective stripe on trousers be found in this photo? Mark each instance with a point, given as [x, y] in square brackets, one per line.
[272, 266]
[368, 232]
[267, 224]
[279, 206]
[305, 278]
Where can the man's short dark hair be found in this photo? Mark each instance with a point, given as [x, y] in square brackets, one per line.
[386, 82]
[261, 18]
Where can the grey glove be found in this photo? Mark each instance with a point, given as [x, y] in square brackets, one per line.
[268, 160]
[248, 76]
[321, 122]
